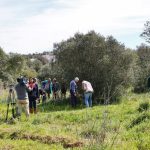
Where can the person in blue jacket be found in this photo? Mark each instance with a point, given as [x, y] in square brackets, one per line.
[73, 91]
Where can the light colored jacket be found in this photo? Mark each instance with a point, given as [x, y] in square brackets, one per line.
[87, 87]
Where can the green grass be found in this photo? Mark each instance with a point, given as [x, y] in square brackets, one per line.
[58, 126]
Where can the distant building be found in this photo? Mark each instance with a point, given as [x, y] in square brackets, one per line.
[50, 57]
[32, 59]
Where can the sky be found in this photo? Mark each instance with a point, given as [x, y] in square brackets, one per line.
[29, 26]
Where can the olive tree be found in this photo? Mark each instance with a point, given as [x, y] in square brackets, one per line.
[104, 62]
[146, 33]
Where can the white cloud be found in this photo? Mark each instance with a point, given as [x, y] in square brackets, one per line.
[39, 32]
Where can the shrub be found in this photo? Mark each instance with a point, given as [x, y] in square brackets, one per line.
[108, 68]
[139, 89]
[143, 106]
[139, 120]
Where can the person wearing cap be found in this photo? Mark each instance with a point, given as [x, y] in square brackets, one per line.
[73, 91]
[88, 91]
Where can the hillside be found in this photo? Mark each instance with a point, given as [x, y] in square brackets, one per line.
[57, 126]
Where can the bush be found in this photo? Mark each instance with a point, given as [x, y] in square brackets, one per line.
[139, 120]
[105, 62]
[143, 106]
[139, 89]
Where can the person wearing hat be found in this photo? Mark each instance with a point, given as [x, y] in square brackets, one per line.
[73, 91]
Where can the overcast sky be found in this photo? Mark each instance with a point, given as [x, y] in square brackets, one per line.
[28, 26]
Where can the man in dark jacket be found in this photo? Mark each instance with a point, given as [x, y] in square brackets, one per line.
[73, 91]
[22, 97]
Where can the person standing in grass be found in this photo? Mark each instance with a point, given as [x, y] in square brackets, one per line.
[33, 95]
[88, 91]
[73, 91]
[43, 83]
[48, 87]
[55, 89]
[63, 88]
[22, 97]
[36, 93]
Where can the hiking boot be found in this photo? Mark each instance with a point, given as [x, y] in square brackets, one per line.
[35, 111]
[31, 110]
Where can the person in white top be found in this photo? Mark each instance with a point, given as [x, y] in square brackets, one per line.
[88, 91]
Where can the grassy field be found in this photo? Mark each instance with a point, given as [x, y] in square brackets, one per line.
[122, 126]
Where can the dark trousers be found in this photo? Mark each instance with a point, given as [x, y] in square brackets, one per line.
[48, 93]
[73, 99]
[32, 102]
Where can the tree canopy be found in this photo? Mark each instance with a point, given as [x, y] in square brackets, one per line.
[104, 62]
[146, 33]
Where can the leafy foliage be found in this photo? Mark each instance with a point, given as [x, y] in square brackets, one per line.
[52, 70]
[102, 61]
[142, 72]
[15, 64]
[146, 32]
[3, 63]
[11, 66]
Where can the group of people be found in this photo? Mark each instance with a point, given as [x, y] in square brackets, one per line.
[86, 87]
[27, 95]
[53, 87]
[30, 92]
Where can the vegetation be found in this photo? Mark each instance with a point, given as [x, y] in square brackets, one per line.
[14, 65]
[58, 126]
[115, 73]
[103, 61]
[146, 32]
[143, 69]
[143, 106]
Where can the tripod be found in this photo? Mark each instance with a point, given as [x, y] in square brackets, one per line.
[11, 101]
